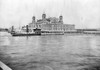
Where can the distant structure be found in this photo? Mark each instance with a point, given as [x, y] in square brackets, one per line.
[50, 24]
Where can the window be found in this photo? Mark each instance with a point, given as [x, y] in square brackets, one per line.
[39, 25]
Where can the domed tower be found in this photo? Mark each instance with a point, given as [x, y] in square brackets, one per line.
[61, 18]
[43, 16]
[33, 19]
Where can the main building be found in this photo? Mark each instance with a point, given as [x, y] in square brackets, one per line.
[50, 24]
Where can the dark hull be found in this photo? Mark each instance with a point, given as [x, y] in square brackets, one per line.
[26, 34]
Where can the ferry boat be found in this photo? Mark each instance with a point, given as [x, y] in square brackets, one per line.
[26, 33]
[37, 32]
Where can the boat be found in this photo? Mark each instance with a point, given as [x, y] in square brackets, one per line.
[36, 32]
[27, 32]
[21, 34]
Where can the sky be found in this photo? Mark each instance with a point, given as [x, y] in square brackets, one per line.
[82, 13]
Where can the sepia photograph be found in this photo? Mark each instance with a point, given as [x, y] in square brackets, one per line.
[49, 34]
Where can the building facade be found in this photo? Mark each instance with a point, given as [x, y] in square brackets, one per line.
[51, 24]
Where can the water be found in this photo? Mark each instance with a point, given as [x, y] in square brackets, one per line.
[52, 52]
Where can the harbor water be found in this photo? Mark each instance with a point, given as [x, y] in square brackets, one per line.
[50, 52]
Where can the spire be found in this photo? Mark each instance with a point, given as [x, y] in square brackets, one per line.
[43, 15]
[60, 18]
[33, 19]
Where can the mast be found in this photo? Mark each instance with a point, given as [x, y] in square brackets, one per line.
[27, 29]
[12, 28]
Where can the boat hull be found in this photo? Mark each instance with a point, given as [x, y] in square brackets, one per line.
[33, 34]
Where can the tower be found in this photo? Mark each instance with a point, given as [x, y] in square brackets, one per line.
[33, 19]
[43, 16]
[61, 18]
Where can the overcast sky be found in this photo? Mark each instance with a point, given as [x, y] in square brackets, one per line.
[82, 13]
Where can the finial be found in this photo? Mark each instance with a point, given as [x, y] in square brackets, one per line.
[44, 11]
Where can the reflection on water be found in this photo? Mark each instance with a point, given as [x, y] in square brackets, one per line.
[52, 52]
